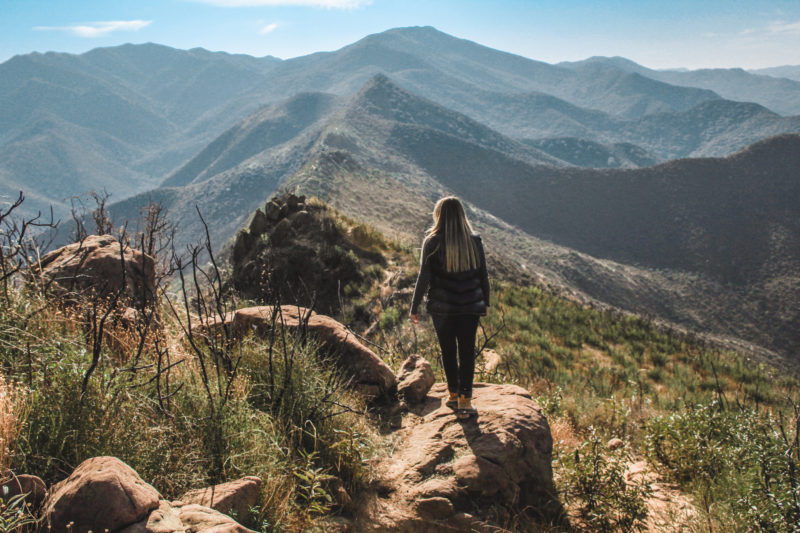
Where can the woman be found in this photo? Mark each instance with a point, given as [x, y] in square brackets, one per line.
[453, 272]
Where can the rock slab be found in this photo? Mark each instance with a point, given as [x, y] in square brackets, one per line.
[371, 375]
[454, 475]
[103, 493]
[234, 498]
[190, 518]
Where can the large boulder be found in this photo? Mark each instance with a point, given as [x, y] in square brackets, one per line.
[464, 475]
[415, 379]
[99, 264]
[103, 493]
[371, 376]
[234, 498]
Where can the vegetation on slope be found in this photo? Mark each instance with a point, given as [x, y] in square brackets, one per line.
[719, 425]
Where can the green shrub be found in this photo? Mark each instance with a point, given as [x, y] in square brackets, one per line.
[743, 459]
[594, 483]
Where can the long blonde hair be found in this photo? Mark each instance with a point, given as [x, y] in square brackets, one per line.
[451, 225]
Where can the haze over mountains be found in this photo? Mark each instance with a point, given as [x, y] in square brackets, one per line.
[562, 166]
[126, 117]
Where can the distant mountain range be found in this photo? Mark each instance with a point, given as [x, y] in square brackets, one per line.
[710, 243]
[125, 118]
[576, 174]
[791, 72]
[780, 94]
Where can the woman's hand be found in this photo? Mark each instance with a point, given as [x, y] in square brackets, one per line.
[414, 319]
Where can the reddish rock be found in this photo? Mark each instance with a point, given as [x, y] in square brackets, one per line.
[372, 376]
[614, 444]
[434, 508]
[489, 361]
[415, 379]
[164, 519]
[103, 493]
[234, 498]
[96, 264]
[178, 517]
[13, 485]
[445, 472]
[197, 518]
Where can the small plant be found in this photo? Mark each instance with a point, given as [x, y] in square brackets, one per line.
[314, 498]
[596, 484]
[14, 514]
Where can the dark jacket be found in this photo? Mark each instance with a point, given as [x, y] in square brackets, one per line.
[451, 293]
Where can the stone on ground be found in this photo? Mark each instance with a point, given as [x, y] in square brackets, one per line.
[234, 498]
[13, 485]
[415, 379]
[96, 264]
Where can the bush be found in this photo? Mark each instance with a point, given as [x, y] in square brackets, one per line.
[747, 461]
[594, 483]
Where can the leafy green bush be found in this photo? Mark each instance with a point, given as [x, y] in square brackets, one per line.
[595, 484]
[742, 458]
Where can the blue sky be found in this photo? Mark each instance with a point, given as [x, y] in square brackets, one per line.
[658, 34]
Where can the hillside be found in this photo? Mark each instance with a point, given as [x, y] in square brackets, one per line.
[638, 425]
[114, 118]
[703, 243]
[791, 72]
[771, 88]
[126, 118]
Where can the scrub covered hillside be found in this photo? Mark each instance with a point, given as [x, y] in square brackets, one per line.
[713, 429]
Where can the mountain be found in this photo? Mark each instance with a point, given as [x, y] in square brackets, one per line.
[446, 69]
[708, 243]
[791, 72]
[584, 153]
[779, 94]
[233, 175]
[113, 118]
[126, 118]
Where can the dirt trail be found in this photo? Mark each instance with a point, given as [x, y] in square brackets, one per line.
[669, 510]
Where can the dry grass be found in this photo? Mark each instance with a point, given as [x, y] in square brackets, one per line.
[13, 412]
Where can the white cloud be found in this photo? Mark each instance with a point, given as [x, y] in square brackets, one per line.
[330, 4]
[269, 28]
[784, 27]
[98, 29]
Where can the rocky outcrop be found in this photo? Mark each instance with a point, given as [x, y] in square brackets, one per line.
[234, 498]
[103, 493]
[99, 264]
[464, 475]
[293, 251]
[371, 376]
[415, 379]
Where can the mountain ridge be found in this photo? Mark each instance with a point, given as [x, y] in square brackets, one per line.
[610, 235]
[167, 105]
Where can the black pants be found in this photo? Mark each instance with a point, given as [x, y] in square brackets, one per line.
[456, 336]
